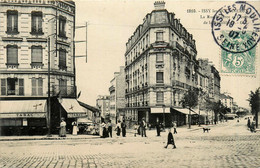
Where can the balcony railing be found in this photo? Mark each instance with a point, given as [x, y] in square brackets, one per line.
[65, 91]
[176, 45]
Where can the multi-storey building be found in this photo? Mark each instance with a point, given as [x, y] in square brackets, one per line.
[117, 95]
[37, 36]
[227, 101]
[103, 104]
[160, 66]
[213, 79]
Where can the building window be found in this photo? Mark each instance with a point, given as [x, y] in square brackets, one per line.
[37, 86]
[37, 23]
[12, 55]
[62, 59]
[63, 87]
[159, 36]
[36, 55]
[12, 22]
[159, 77]
[159, 97]
[159, 57]
[11, 86]
[62, 26]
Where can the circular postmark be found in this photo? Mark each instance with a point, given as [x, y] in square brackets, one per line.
[236, 27]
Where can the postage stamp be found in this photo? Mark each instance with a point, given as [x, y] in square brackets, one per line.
[238, 63]
[236, 29]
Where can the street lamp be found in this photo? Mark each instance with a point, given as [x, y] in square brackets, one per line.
[163, 106]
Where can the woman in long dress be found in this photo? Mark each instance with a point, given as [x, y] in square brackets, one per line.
[75, 128]
[63, 128]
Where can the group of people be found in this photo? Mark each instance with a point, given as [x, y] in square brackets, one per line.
[106, 129]
[140, 128]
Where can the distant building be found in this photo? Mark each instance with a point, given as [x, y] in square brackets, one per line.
[30, 31]
[213, 79]
[117, 95]
[103, 104]
[227, 101]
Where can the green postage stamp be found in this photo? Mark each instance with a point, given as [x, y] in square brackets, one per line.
[238, 63]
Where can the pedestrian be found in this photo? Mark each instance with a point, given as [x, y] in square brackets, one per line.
[123, 127]
[74, 128]
[63, 128]
[158, 128]
[103, 130]
[248, 122]
[118, 128]
[143, 128]
[136, 127]
[170, 140]
[110, 128]
[175, 127]
[252, 127]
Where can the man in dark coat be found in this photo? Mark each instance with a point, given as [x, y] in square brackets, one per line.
[123, 126]
[143, 128]
[170, 140]
[110, 128]
[158, 128]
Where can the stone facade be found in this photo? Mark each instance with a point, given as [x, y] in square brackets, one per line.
[32, 31]
[160, 66]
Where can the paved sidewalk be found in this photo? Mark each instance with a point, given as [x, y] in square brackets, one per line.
[69, 136]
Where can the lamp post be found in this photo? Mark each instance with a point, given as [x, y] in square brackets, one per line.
[163, 106]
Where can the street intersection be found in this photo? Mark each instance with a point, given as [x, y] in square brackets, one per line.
[227, 144]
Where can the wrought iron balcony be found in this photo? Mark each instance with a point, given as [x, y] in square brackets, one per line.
[64, 91]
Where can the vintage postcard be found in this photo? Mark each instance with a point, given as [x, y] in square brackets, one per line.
[129, 83]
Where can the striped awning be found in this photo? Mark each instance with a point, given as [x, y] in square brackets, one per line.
[73, 109]
[23, 108]
[184, 111]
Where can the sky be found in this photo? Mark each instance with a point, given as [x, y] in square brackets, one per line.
[112, 22]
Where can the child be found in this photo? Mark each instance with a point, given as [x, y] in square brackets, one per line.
[170, 140]
[136, 126]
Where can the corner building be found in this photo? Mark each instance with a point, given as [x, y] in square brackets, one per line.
[29, 31]
[160, 66]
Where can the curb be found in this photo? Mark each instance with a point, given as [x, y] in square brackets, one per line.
[48, 138]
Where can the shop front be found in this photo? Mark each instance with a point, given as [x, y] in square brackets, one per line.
[161, 114]
[73, 110]
[23, 117]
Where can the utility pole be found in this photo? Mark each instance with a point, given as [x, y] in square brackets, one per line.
[49, 98]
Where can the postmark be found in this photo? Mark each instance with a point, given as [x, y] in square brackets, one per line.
[238, 63]
[236, 27]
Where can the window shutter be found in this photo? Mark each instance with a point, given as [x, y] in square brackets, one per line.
[3, 86]
[40, 84]
[34, 86]
[21, 87]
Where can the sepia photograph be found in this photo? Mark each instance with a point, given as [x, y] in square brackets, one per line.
[129, 84]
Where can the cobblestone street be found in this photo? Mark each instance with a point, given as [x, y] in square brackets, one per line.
[227, 144]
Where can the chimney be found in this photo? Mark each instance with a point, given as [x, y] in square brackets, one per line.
[158, 5]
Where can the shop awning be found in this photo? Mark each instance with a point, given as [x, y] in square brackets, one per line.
[184, 111]
[72, 107]
[23, 108]
[160, 110]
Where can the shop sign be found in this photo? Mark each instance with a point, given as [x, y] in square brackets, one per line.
[23, 115]
[75, 115]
